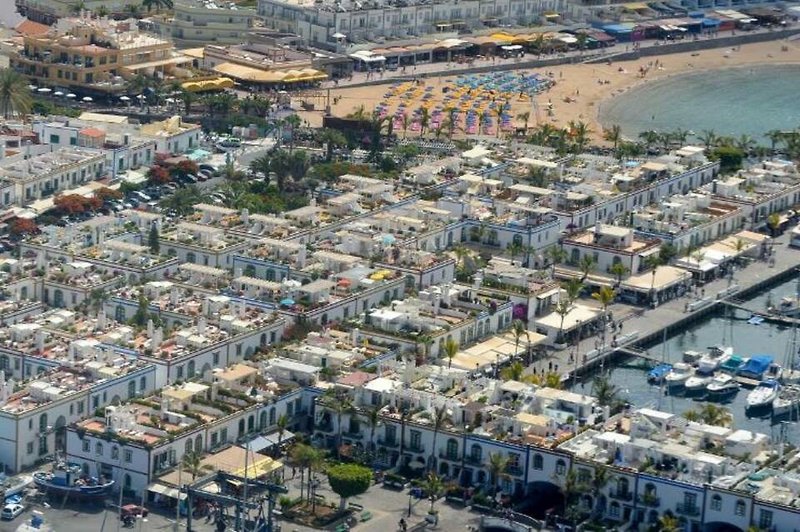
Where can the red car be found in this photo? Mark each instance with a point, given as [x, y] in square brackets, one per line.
[132, 510]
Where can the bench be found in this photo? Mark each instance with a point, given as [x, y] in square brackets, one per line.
[355, 506]
[365, 516]
[342, 528]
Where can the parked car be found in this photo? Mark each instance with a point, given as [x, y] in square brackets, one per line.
[11, 511]
[207, 167]
[141, 196]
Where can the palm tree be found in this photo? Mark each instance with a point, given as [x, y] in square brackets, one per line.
[513, 372]
[332, 139]
[573, 287]
[193, 464]
[450, 350]
[604, 390]
[77, 7]
[775, 136]
[519, 330]
[424, 120]
[499, 110]
[563, 308]
[132, 10]
[461, 252]
[497, 464]
[15, 96]
[668, 523]
[293, 121]
[653, 261]
[101, 12]
[514, 248]
[745, 143]
[188, 98]
[774, 222]
[373, 417]
[582, 39]
[600, 480]
[580, 134]
[586, 265]
[649, 137]
[618, 270]
[613, 135]
[405, 121]
[439, 417]
[556, 255]
[282, 424]
[605, 296]
[339, 404]
[433, 487]
[483, 117]
[691, 415]
[305, 457]
[524, 117]
[712, 414]
[666, 139]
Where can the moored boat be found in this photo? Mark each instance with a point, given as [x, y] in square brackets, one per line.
[721, 386]
[732, 364]
[69, 479]
[657, 374]
[678, 375]
[787, 403]
[757, 367]
[10, 486]
[763, 395]
[696, 384]
[712, 360]
[788, 306]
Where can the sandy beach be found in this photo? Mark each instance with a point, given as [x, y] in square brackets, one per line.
[580, 84]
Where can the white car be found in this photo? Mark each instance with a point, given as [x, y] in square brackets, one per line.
[10, 511]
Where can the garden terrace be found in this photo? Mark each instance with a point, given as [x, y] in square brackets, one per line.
[266, 225]
[773, 485]
[280, 251]
[199, 275]
[181, 341]
[140, 422]
[79, 274]
[201, 236]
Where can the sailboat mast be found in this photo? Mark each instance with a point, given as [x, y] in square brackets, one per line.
[663, 361]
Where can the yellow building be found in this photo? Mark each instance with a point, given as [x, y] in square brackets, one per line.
[93, 56]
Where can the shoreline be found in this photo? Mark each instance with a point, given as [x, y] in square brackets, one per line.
[579, 82]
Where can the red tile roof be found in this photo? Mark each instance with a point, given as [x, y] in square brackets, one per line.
[29, 27]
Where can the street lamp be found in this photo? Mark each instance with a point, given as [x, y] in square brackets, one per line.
[464, 456]
[410, 494]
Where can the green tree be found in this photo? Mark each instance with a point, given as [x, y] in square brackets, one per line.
[439, 417]
[525, 118]
[332, 139]
[653, 261]
[556, 255]
[668, 523]
[605, 296]
[349, 480]
[513, 372]
[152, 240]
[613, 135]
[282, 424]
[15, 96]
[667, 252]
[498, 464]
[142, 313]
[604, 390]
[193, 465]
[730, 158]
[519, 330]
[514, 248]
[450, 350]
[183, 200]
[774, 223]
[433, 488]
[649, 138]
[306, 458]
[586, 265]
[339, 404]
[373, 418]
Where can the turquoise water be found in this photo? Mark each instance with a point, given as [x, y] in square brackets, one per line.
[746, 339]
[728, 101]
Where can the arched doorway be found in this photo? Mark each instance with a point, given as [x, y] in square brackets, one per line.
[60, 429]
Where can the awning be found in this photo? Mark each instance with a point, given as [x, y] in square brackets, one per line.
[245, 73]
[268, 441]
[166, 491]
[549, 293]
[160, 62]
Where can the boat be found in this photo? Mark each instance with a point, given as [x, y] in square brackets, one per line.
[711, 361]
[756, 367]
[692, 357]
[69, 479]
[722, 385]
[678, 375]
[12, 486]
[732, 364]
[697, 383]
[763, 395]
[787, 403]
[657, 374]
[788, 306]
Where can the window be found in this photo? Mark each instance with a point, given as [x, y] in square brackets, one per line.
[180, 372]
[538, 462]
[740, 507]
[142, 384]
[29, 447]
[55, 139]
[188, 446]
[561, 467]
[613, 510]
[452, 448]
[85, 446]
[223, 435]
[115, 453]
[416, 439]
[765, 519]
[216, 359]
[127, 455]
[98, 449]
[716, 503]
[584, 476]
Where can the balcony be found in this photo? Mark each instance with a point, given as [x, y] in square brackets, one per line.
[453, 457]
[514, 470]
[690, 510]
[474, 460]
[393, 444]
[624, 496]
[352, 435]
[649, 500]
[324, 427]
[414, 448]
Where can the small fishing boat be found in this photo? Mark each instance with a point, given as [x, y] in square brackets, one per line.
[712, 360]
[787, 403]
[11, 486]
[657, 374]
[763, 395]
[69, 479]
[732, 364]
[692, 357]
[697, 383]
[788, 306]
[678, 375]
[721, 386]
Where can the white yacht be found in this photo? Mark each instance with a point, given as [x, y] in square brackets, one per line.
[696, 383]
[678, 375]
[788, 306]
[763, 395]
[722, 385]
[788, 401]
[715, 356]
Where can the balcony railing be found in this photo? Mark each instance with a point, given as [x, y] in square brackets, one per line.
[692, 510]
[388, 443]
[415, 448]
[621, 495]
[649, 500]
[453, 457]
[514, 470]
[475, 460]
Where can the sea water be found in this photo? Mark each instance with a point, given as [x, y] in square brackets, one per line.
[746, 339]
[729, 101]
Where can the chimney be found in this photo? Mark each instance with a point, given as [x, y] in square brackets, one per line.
[354, 336]
[101, 320]
[241, 309]
[127, 139]
[40, 341]
[173, 296]
[301, 257]
[245, 216]
[150, 328]
[157, 339]
[446, 294]
[205, 307]
[201, 325]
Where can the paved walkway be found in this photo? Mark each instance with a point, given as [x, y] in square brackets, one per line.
[654, 320]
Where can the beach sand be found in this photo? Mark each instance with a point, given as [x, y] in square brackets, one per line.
[580, 83]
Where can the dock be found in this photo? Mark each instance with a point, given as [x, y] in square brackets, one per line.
[647, 327]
